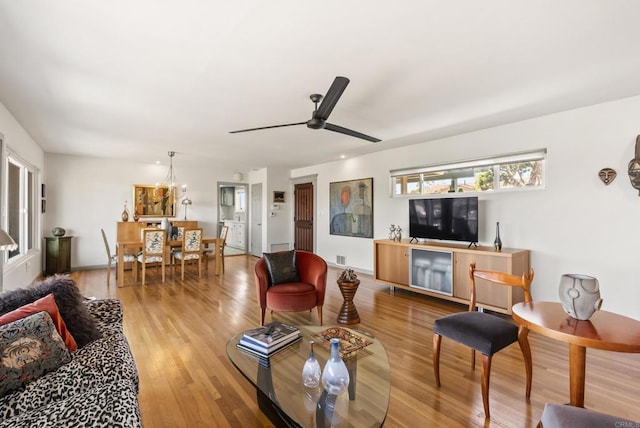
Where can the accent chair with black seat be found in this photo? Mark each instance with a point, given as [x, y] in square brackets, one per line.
[567, 416]
[484, 332]
[290, 281]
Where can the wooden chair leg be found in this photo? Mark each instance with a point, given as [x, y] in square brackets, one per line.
[199, 267]
[182, 260]
[486, 374]
[437, 339]
[144, 272]
[473, 359]
[175, 266]
[320, 314]
[262, 310]
[162, 263]
[523, 340]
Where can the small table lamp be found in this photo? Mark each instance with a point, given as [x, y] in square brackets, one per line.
[186, 202]
[6, 243]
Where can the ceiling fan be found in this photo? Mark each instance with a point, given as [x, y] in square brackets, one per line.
[321, 113]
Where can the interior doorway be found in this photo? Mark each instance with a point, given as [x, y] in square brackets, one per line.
[256, 220]
[303, 217]
[232, 212]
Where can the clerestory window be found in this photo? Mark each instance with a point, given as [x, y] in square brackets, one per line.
[497, 173]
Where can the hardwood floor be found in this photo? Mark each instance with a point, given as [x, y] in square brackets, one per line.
[178, 332]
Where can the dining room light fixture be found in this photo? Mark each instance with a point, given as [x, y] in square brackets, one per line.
[186, 202]
[174, 193]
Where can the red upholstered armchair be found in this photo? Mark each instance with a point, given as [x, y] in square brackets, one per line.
[301, 295]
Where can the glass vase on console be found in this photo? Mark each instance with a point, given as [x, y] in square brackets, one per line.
[311, 370]
[125, 212]
[497, 243]
[335, 376]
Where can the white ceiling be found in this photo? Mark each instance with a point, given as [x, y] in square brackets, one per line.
[134, 79]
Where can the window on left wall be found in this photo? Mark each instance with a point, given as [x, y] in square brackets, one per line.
[21, 205]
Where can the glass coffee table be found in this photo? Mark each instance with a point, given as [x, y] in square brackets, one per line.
[287, 402]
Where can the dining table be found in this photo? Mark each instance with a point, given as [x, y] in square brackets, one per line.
[135, 246]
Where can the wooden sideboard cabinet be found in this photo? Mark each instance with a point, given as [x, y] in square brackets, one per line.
[442, 270]
[57, 255]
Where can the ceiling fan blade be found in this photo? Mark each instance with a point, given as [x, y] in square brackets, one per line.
[340, 129]
[333, 95]
[266, 127]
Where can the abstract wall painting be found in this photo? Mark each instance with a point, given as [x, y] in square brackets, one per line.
[351, 208]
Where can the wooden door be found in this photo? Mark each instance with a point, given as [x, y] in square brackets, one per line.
[303, 217]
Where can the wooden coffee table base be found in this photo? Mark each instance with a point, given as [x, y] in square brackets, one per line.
[348, 313]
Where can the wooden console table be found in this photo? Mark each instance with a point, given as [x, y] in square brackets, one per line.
[406, 265]
[604, 330]
[58, 254]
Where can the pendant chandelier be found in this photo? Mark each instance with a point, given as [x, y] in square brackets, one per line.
[170, 182]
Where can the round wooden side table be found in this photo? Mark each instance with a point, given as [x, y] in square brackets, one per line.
[348, 313]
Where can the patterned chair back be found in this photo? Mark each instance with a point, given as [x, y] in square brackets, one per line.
[192, 241]
[180, 232]
[154, 241]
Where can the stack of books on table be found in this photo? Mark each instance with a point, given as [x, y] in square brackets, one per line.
[269, 339]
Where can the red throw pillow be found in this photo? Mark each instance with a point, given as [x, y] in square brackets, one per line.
[47, 304]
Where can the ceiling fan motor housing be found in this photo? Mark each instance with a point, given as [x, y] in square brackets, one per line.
[315, 123]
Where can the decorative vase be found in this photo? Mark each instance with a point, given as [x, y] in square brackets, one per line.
[125, 212]
[58, 231]
[136, 216]
[335, 376]
[497, 243]
[580, 295]
[392, 232]
[311, 370]
[166, 226]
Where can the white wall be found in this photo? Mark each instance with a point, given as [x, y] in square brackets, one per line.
[85, 194]
[23, 272]
[576, 225]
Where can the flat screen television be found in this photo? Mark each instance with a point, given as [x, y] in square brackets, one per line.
[450, 219]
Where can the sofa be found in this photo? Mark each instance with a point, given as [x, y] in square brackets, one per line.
[85, 375]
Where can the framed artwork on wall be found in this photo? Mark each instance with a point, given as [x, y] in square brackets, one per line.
[149, 201]
[351, 208]
[278, 196]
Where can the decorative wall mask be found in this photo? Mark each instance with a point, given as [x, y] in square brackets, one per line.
[607, 175]
[634, 167]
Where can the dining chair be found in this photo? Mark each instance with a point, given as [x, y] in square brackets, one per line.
[114, 258]
[180, 232]
[153, 250]
[218, 250]
[484, 332]
[191, 250]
